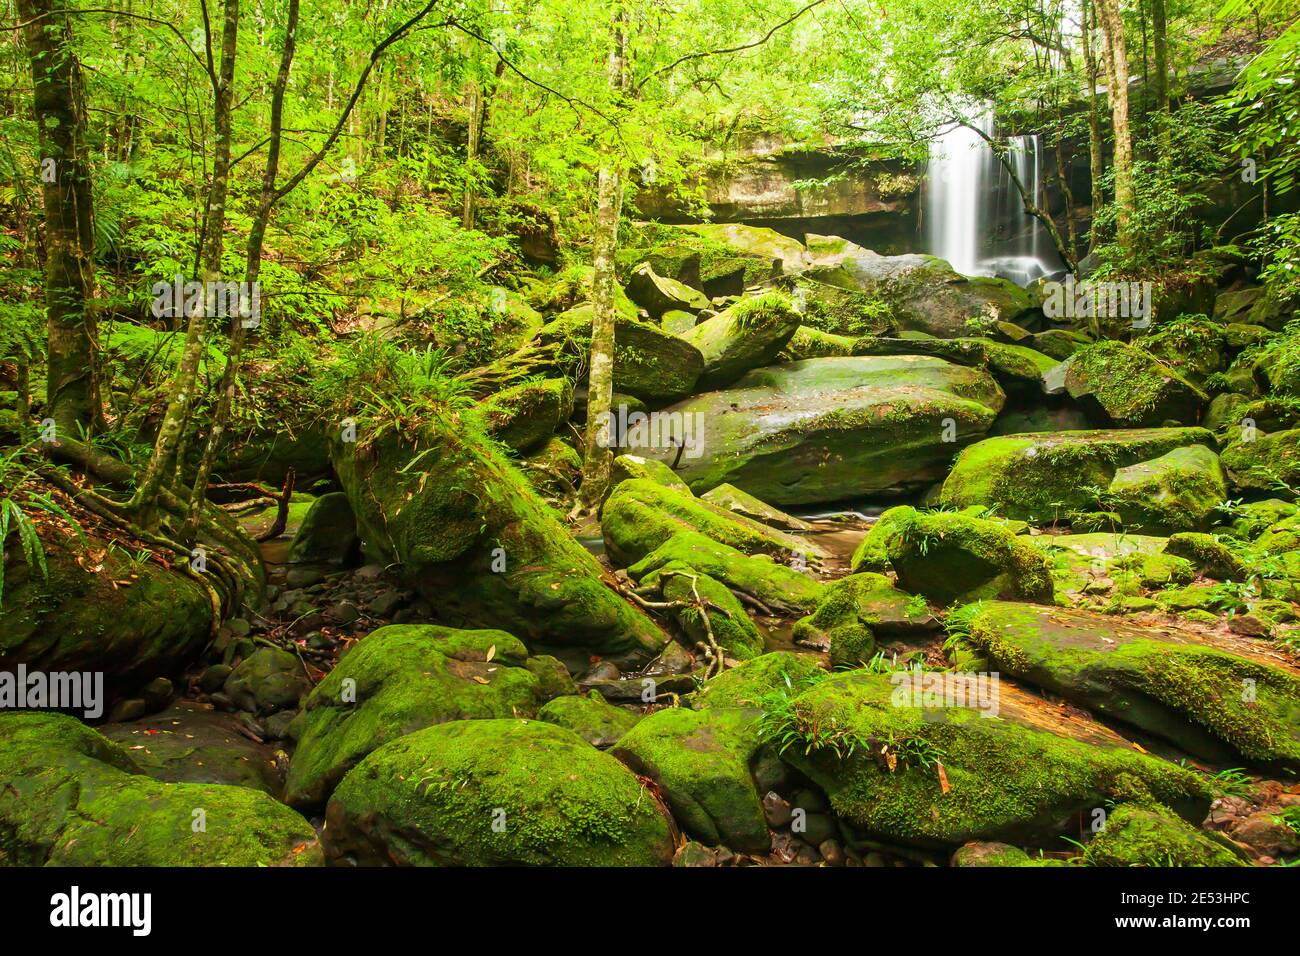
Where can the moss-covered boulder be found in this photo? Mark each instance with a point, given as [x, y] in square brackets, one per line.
[649, 363]
[695, 258]
[640, 515]
[1213, 695]
[833, 428]
[749, 334]
[988, 853]
[328, 533]
[553, 469]
[1137, 835]
[1022, 777]
[1209, 555]
[924, 294]
[1270, 462]
[781, 589]
[659, 294]
[268, 680]
[472, 536]
[81, 620]
[1178, 491]
[808, 342]
[69, 797]
[702, 599]
[635, 466]
[788, 255]
[857, 609]
[747, 684]
[950, 556]
[495, 793]
[1043, 476]
[599, 723]
[1017, 368]
[397, 680]
[523, 416]
[700, 762]
[743, 503]
[1129, 387]
[1102, 564]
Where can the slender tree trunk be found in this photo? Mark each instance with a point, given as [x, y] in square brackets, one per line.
[1096, 143]
[1160, 88]
[71, 392]
[185, 385]
[598, 454]
[252, 270]
[474, 103]
[1125, 199]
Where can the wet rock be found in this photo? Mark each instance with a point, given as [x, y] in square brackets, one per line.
[327, 535]
[692, 854]
[127, 708]
[600, 724]
[270, 679]
[524, 416]
[747, 335]
[855, 610]
[1268, 833]
[1129, 387]
[776, 809]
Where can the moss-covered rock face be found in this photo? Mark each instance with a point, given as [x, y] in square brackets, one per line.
[1212, 695]
[1179, 491]
[1043, 476]
[1208, 555]
[477, 541]
[641, 515]
[781, 588]
[857, 609]
[524, 416]
[1268, 463]
[649, 363]
[328, 533]
[695, 258]
[924, 294]
[832, 428]
[268, 680]
[69, 797]
[834, 313]
[1014, 778]
[1130, 387]
[599, 723]
[634, 466]
[397, 680]
[495, 793]
[659, 294]
[727, 621]
[788, 255]
[749, 334]
[949, 556]
[1102, 564]
[998, 854]
[1017, 368]
[747, 684]
[743, 503]
[808, 342]
[1136, 835]
[700, 761]
[553, 470]
[78, 621]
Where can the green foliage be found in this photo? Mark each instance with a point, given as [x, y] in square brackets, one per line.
[21, 497]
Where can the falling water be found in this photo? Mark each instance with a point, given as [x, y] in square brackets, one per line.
[976, 219]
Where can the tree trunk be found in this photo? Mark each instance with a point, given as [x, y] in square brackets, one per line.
[71, 391]
[1117, 91]
[1096, 144]
[598, 455]
[252, 270]
[1160, 86]
[185, 384]
[474, 103]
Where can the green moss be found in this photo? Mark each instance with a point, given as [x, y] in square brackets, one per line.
[700, 761]
[1007, 779]
[856, 608]
[749, 334]
[999, 854]
[68, 797]
[1132, 386]
[523, 416]
[808, 342]
[634, 466]
[1179, 491]
[599, 723]
[433, 797]
[1268, 463]
[1136, 835]
[746, 685]
[735, 633]
[399, 679]
[1209, 555]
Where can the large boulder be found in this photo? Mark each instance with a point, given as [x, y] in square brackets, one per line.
[696, 259]
[641, 515]
[525, 415]
[707, 612]
[1178, 491]
[659, 294]
[1022, 777]
[1137, 835]
[1043, 476]
[858, 608]
[495, 793]
[1128, 387]
[471, 535]
[700, 762]
[749, 684]
[397, 680]
[786, 254]
[1213, 695]
[599, 723]
[69, 797]
[828, 429]
[949, 556]
[924, 294]
[328, 533]
[1268, 462]
[749, 334]
[1017, 368]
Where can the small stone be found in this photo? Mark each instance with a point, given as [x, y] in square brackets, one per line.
[776, 809]
[214, 677]
[158, 692]
[277, 725]
[1267, 833]
[817, 828]
[831, 852]
[601, 670]
[128, 708]
[811, 800]
[386, 603]
[345, 612]
[1248, 625]
[807, 856]
[369, 572]
[874, 859]
[303, 577]
[238, 626]
[694, 854]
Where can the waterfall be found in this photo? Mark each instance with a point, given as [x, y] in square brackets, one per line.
[974, 214]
